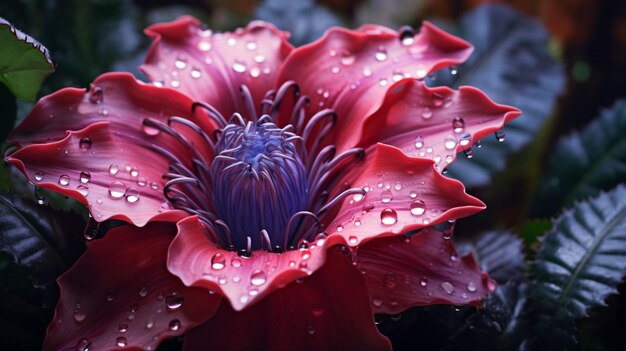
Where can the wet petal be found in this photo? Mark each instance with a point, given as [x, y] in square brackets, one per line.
[198, 261]
[351, 71]
[115, 97]
[210, 67]
[402, 194]
[435, 123]
[105, 305]
[422, 270]
[116, 175]
[326, 311]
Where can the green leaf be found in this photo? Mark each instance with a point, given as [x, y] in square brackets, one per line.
[44, 241]
[24, 62]
[585, 163]
[499, 325]
[582, 260]
[512, 65]
[499, 253]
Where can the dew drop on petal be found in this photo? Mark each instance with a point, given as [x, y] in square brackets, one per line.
[83, 345]
[195, 73]
[447, 287]
[259, 58]
[39, 176]
[175, 83]
[255, 72]
[383, 82]
[358, 197]
[465, 138]
[377, 302]
[180, 63]
[149, 324]
[132, 195]
[113, 169]
[85, 177]
[83, 190]
[419, 142]
[427, 113]
[258, 278]
[204, 46]
[149, 130]
[64, 180]
[235, 262]
[423, 282]
[390, 280]
[251, 45]
[96, 95]
[174, 302]
[218, 261]
[449, 142]
[388, 216]
[347, 58]
[381, 54]
[353, 240]
[386, 196]
[79, 316]
[117, 190]
[174, 325]
[121, 341]
[231, 41]
[367, 71]
[471, 287]
[458, 124]
[85, 143]
[417, 207]
[239, 67]
[122, 328]
[500, 135]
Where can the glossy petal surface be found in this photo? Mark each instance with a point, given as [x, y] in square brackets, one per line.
[326, 311]
[434, 123]
[210, 67]
[198, 261]
[351, 71]
[422, 270]
[117, 176]
[115, 97]
[403, 194]
[105, 305]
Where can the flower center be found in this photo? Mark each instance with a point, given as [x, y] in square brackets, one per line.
[259, 181]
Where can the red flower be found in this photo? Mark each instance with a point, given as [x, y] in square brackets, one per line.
[318, 203]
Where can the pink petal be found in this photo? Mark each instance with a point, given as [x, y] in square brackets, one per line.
[435, 123]
[421, 270]
[119, 293]
[115, 97]
[403, 194]
[351, 71]
[210, 67]
[198, 261]
[326, 311]
[117, 176]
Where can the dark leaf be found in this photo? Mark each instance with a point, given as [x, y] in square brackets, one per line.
[499, 254]
[390, 13]
[24, 62]
[44, 241]
[581, 262]
[8, 111]
[304, 19]
[585, 163]
[512, 65]
[498, 325]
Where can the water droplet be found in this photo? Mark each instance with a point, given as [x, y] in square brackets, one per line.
[143, 292]
[174, 302]
[407, 35]
[421, 72]
[117, 190]
[174, 325]
[388, 216]
[259, 58]
[39, 176]
[491, 285]
[465, 138]
[251, 45]
[500, 135]
[132, 195]
[255, 72]
[85, 177]
[239, 67]
[79, 316]
[195, 73]
[377, 302]
[417, 207]
[64, 180]
[381, 54]
[96, 95]
[235, 262]
[121, 341]
[258, 278]
[469, 153]
[347, 58]
[423, 282]
[449, 142]
[231, 41]
[83, 345]
[358, 197]
[180, 63]
[390, 280]
[453, 257]
[218, 261]
[110, 296]
[367, 71]
[175, 83]
[353, 240]
[204, 46]
[447, 287]
[453, 70]
[149, 324]
[395, 317]
[471, 287]
[311, 330]
[458, 124]
[335, 69]
[386, 196]
[154, 186]
[427, 113]
[85, 143]
[383, 82]
[339, 228]
[83, 190]
[149, 130]
[122, 328]
[113, 169]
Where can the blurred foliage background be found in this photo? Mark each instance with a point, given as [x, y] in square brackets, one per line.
[561, 77]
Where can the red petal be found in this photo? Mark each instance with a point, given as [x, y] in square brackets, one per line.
[211, 67]
[403, 194]
[116, 175]
[198, 261]
[351, 71]
[120, 293]
[327, 311]
[115, 97]
[421, 270]
[434, 123]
